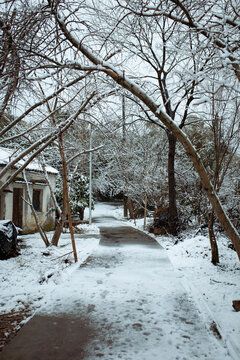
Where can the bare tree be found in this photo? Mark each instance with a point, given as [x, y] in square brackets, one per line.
[225, 125]
[75, 32]
[215, 23]
[155, 42]
[161, 116]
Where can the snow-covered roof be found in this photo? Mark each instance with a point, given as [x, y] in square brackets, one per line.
[6, 155]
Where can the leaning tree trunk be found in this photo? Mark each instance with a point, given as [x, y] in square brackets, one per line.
[120, 78]
[213, 241]
[172, 215]
[60, 224]
[66, 195]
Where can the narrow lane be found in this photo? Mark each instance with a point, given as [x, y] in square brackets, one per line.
[125, 302]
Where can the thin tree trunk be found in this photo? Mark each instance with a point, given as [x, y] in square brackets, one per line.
[66, 195]
[130, 209]
[125, 207]
[57, 232]
[81, 214]
[173, 215]
[60, 224]
[145, 212]
[145, 201]
[213, 241]
[125, 198]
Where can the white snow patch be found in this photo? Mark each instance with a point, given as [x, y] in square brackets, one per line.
[26, 279]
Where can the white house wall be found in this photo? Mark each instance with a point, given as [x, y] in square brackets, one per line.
[46, 216]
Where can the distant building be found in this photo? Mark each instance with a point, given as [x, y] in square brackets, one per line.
[12, 201]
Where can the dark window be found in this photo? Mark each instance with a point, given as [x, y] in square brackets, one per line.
[37, 200]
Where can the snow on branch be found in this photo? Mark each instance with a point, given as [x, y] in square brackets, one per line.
[36, 105]
[122, 80]
[41, 145]
[84, 152]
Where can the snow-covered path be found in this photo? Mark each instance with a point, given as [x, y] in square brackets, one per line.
[125, 302]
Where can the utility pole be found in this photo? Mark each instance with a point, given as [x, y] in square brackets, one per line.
[124, 119]
[90, 177]
[125, 207]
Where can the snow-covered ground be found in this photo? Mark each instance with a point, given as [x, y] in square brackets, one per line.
[212, 287]
[25, 280]
[31, 279]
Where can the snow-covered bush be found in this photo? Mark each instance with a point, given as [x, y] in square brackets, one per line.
[78, 194]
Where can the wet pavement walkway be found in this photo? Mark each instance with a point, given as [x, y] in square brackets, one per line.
[124, 302]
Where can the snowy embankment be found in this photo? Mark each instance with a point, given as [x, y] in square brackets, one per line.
[212, 287]
[25, 280]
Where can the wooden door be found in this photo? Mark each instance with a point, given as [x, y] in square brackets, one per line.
[17, 215]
